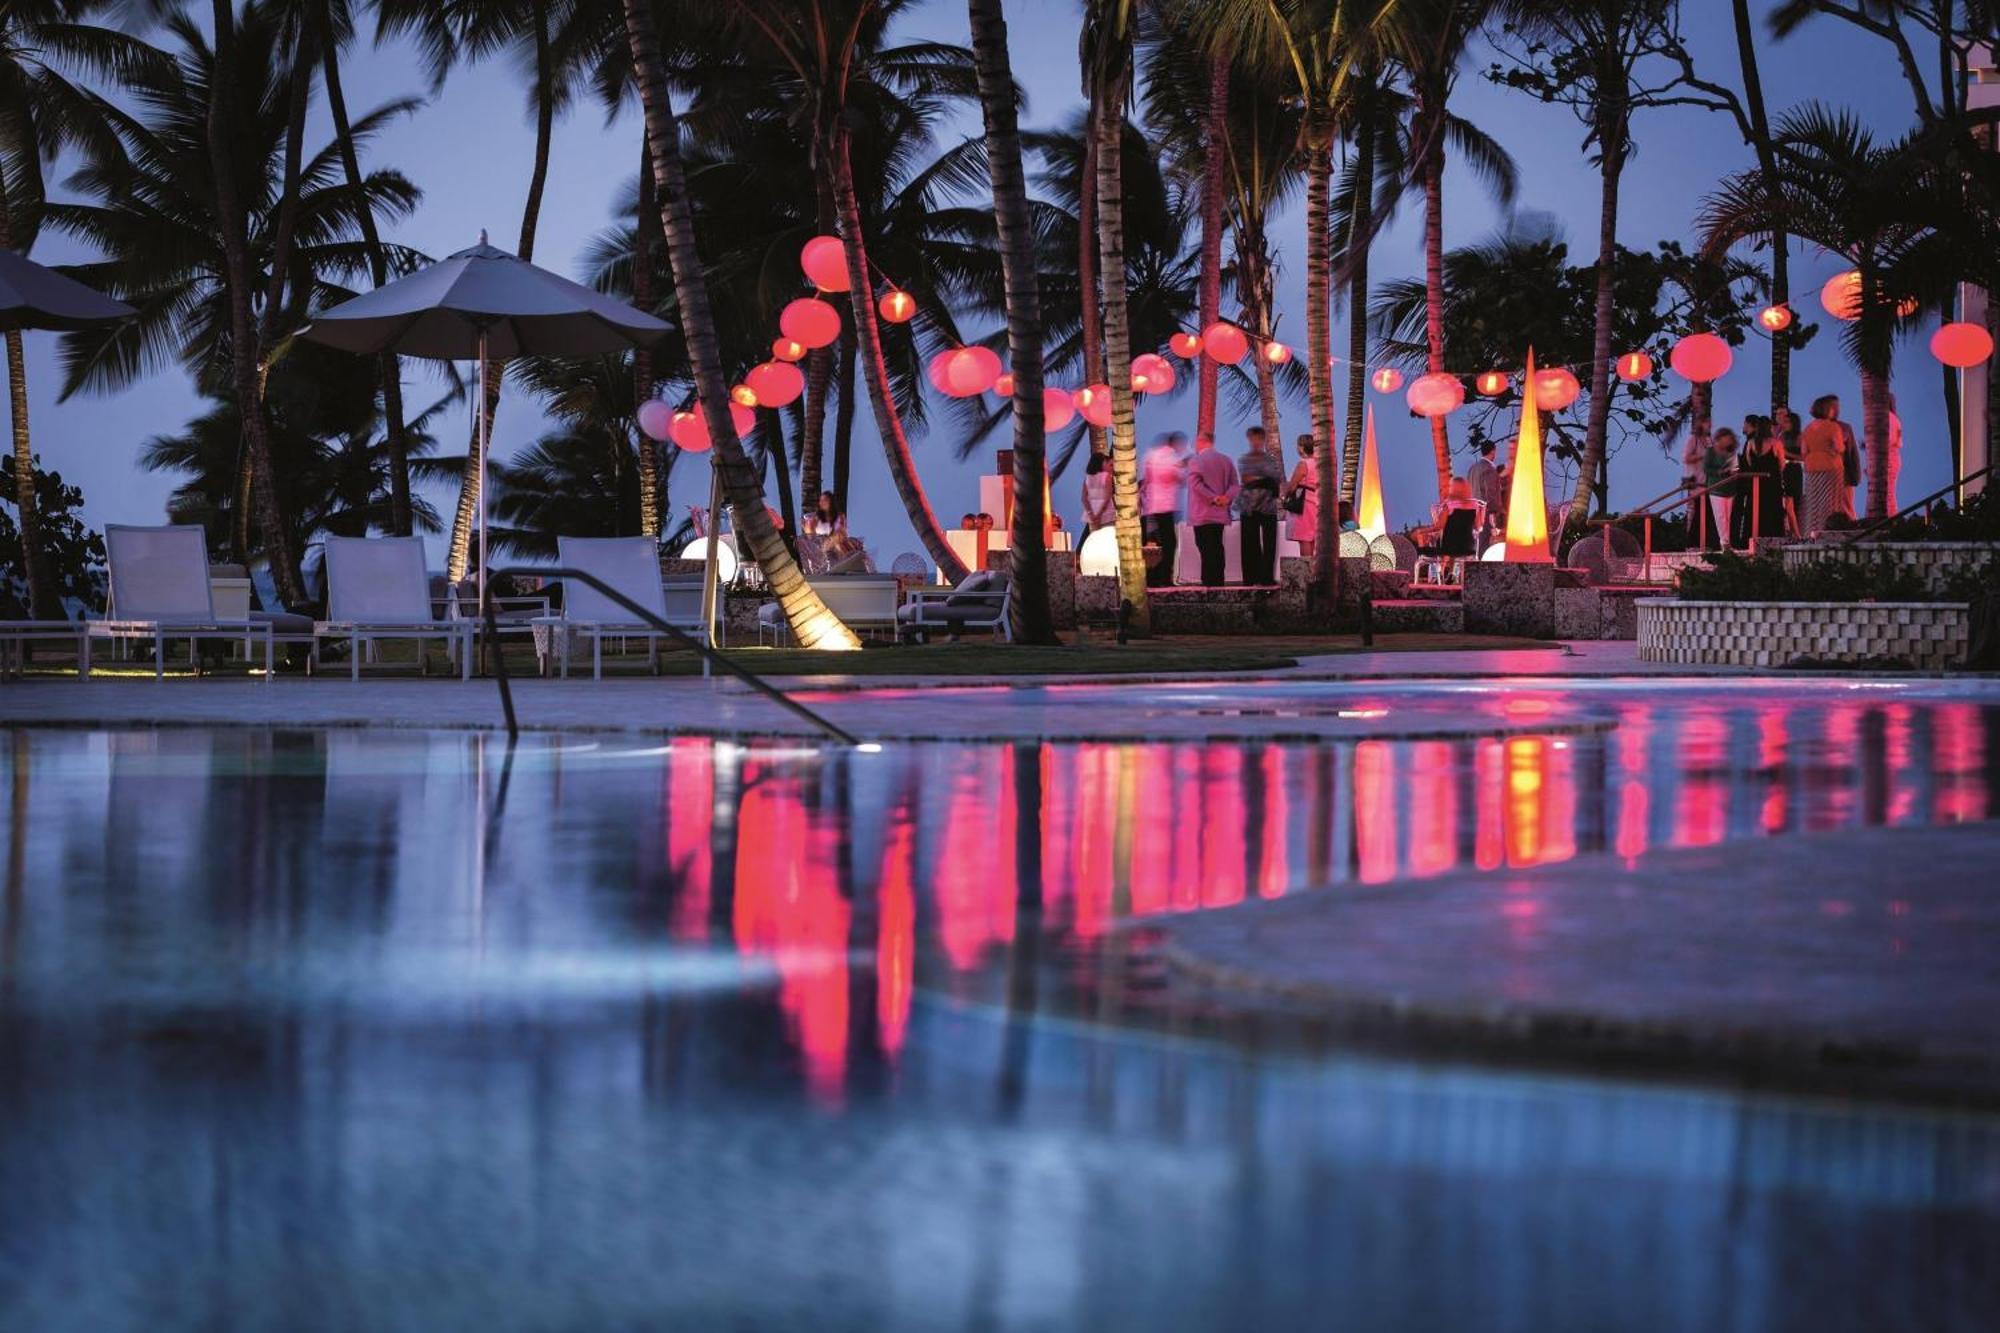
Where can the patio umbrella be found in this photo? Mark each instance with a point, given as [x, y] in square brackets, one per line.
[34, 297]
[485, 304]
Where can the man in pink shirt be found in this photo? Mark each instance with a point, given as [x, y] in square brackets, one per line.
[1161, 473]
[1212, 487]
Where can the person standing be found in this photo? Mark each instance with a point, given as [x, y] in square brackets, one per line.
[1694, 455]
[1717, 468]
[1257, 509]
[1482, 479]
[1795, 470]
[1302, 500]
[1760, 494]
[1822, 448]
[1212, 488]
[1098, 511]
[1160, 481]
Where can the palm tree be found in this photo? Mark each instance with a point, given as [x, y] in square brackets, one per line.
[810, 622]
[1110, 27]
[1767, 163]
[1430, 39]
[1888, 209]
[1366, 195]
[45, 46]
[1028, 594]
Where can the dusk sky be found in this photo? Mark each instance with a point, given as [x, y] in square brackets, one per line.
[469, 152]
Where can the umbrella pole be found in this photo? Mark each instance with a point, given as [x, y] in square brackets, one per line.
[480, 408]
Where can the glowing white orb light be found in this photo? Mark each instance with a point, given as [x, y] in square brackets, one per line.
[1100, 552]
[725, 558]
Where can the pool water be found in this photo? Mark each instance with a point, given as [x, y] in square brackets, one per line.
[410, 1030]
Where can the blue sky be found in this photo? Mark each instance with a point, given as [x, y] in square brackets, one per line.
[469, 151]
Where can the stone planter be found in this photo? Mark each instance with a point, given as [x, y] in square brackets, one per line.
[1935, 562]
[1931, 635]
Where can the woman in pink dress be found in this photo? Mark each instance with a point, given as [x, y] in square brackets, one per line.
[1303, 527]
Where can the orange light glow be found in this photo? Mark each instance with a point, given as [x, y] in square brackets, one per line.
[1369, 511]
[1527, 507]
[1775, 318]
[897, 306]
[743, 396]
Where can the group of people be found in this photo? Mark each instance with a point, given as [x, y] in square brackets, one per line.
[1211, 490]
[1779, 478]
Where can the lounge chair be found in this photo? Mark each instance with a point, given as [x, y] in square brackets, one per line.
[978, 602]
[160, 592]
[630, 566]
[864, 602]
[376, 589]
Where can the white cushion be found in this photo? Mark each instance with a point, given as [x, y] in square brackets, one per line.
[629, 564]
[159, 573]
[377, 581]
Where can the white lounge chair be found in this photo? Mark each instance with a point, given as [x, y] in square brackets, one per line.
[377, 588]
[631, 567]
[864, 603]
[160, 591]
[978, 602]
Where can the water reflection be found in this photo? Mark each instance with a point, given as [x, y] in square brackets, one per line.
[302, 1028]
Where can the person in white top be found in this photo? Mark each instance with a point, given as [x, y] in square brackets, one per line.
[1162, 476]
[1098, 509]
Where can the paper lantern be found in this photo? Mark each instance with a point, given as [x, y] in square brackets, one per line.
[655, 419]
[1701, 357]
[897, 306]
[1151, 373]
[1493, 382]
[1634, 366]
[1057, 409]
[1094, 402]
[1842, 297]
[743, 396]
[1225, 342]
[1004, 386]
[776, 383]
[1277, 353]
[1775, 318]
[971, 370]
[1387, 380]
[1555, 388]
[1961, 345]
[1436, 394]
[934, 369]
[1185, 345]
[743, 419]
[825, 261]
[809, 323]
[1527, 532]
[689, 431]
[784, 349]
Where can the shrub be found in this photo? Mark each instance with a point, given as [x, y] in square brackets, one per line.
[1738, 578]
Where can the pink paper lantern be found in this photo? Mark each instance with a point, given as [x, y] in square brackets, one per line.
[825, 261]
[1555, 389]
[784, 349]
[689, 431]
[1492, 383]
[1187, 346]
[809, 323]
[1004, 386]
[897, 306]
[1057, 409]
[1277, 353]
[934, 370]
[776, 383]
[1225, 342]
[1151, 373]
[1962, 345]
[1634, 366]
[1094, 402]
[656, 419]
[971, 370]
[1701, 357]
[1436, 395]
[1386, 380]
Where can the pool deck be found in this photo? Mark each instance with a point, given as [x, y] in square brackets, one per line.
[954, 708]
[1862, 961]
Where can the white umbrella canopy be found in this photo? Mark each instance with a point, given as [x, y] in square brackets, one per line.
[34, 297]
[484, 302]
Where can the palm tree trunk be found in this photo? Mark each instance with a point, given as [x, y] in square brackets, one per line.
[843, 417]
[1877, 348]
[1256, 261]
[895, 444]
[1360, 228]
[819, 374]
[1319, 351]
[811, 623]
[1767, 164]
[1215, 142]
[42, 601]
[1611, 143]
[1434, 292]
[393, 426]
[645, 232]
[1028, 590]
[1109, 125]
[237, 279]
[1092, 328]
[773, 430]
[459, 554]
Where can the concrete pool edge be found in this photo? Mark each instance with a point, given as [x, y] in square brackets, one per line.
[1831, 1019]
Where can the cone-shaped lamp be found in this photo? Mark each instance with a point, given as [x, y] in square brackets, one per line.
[1527, 509]
[1368, 513]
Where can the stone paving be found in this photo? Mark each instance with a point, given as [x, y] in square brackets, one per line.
[1866, 955]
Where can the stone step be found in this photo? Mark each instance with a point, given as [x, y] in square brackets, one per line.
[1418, 615]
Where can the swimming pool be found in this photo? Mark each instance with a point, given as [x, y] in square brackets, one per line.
[330, 1029]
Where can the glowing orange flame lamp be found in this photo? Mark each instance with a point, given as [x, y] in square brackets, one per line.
[1368, 513]
[1527, 508]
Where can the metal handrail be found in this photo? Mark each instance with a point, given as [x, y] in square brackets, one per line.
[640, 613]
[1682, 494]
[1858, 533]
